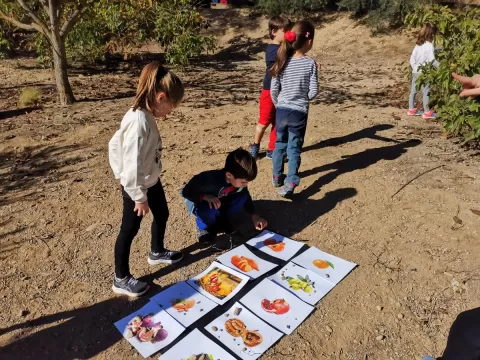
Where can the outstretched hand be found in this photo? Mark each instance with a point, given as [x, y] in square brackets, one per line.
[259, 222]
[471, 85]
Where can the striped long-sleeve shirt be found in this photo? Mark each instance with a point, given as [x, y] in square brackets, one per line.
[296, 85]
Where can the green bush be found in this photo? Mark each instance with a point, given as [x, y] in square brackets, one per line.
[382, 14]
[459, 39]
[120, 27]
[6, 40]
[277, 7]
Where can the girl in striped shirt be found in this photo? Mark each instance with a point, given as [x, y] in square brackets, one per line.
[294, 84]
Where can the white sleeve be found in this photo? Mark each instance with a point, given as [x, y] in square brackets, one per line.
[431, 56]
[313, 87]
[413, 60]
[135, 138]
[275, 89]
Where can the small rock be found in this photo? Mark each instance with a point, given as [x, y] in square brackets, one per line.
[428, 299]
[23, 313]
[379, 308]
[214, 328]
[400, 316]
[380, 337]
[51, 284]
[91, 227]
[329, 329]
[193, 142]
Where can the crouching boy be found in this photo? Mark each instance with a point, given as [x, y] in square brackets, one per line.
[220, 200]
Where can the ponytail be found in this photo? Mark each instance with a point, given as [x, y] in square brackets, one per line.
[284, 52]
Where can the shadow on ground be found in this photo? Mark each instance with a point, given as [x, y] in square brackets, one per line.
[33, 166]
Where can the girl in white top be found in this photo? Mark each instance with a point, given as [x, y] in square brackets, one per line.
[423, 53]
[134, 155]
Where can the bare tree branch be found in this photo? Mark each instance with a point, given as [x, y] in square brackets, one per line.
[15, 22]
[34, 17]
[45, 5]
[72, 20]
[52, 13]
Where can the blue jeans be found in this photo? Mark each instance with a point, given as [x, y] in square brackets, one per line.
[207, 218]
[291, 127]
[413, 92]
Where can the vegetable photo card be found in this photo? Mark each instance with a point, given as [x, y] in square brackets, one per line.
[243, 332]
[243, 260]
[303, 283]
[196, 346]
[183, 303]
[276, 245]
[276, 306]
[329, 267]
[149, 329]
[219, 283]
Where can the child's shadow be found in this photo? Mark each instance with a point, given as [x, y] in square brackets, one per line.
[297, 215]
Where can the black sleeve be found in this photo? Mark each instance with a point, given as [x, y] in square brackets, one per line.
[198, 186]
[249, 207]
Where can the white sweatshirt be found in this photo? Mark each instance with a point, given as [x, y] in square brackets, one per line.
[421, 55]
[134, 153]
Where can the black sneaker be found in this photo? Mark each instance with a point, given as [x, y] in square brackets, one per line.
[130, 286]
[164, 257]
[269, 154]
[205, 236]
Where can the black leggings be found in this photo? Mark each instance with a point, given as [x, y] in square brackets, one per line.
[131, 224]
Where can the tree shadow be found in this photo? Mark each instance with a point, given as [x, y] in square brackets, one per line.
[32, 167]
[7, 114]
[351, 163]
[367, 133]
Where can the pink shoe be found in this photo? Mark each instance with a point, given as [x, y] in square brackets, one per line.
[429, 115]
[414, 112]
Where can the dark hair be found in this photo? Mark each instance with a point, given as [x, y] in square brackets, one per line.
[241, 164]
[304, 31]
[276, 23]
[427, 33]
[155, 78]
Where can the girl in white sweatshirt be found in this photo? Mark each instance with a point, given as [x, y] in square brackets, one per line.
[423, 53]
[134, 155]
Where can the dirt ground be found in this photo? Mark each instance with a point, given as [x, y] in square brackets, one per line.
[60, 207]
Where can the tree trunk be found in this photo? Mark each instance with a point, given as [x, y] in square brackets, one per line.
[64, 89]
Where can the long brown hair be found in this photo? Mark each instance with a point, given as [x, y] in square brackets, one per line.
[304, 31]
[427, 33]
[156, 78]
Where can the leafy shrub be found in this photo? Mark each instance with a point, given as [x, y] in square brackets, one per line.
[178, 30]
[277, 7]
[6, 41]
[382, 14]
[29, 96]
[459, 39]
[120, 27]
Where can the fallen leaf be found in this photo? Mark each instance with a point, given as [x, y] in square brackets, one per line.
[476, 212]
[457, 220]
